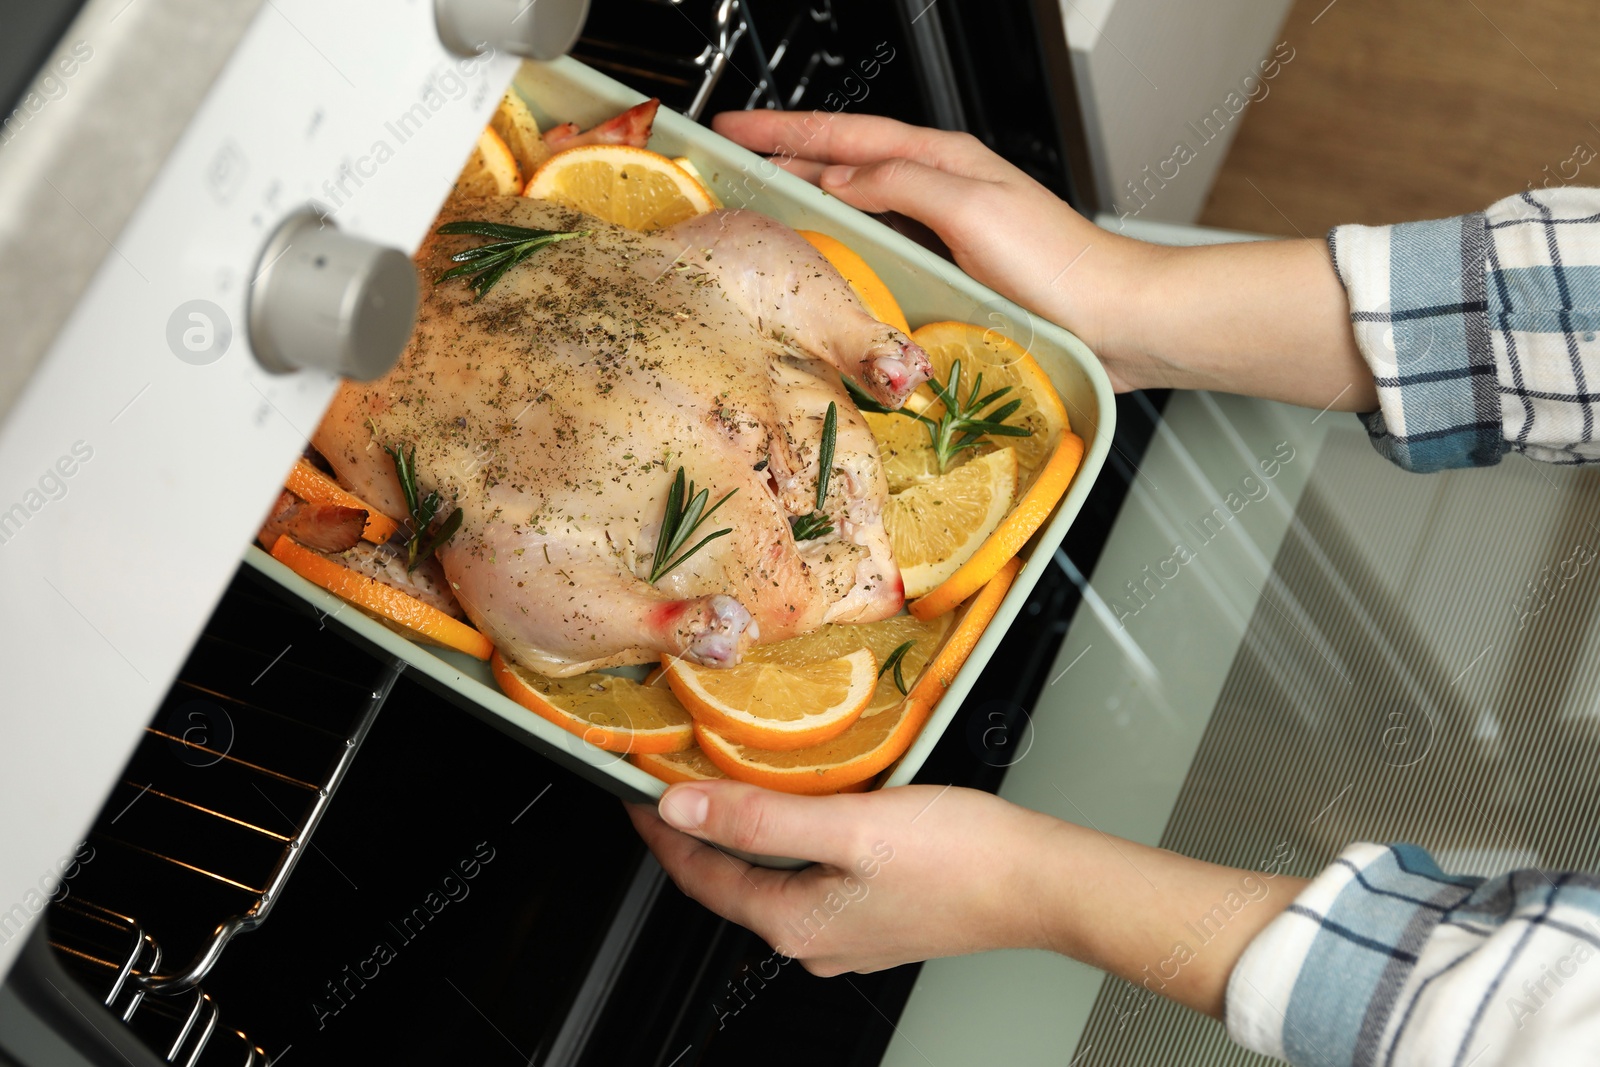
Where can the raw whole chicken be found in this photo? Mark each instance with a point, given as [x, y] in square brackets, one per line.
[556, 411]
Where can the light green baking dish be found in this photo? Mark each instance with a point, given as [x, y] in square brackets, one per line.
[928, 288]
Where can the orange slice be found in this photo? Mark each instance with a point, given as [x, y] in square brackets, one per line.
[491, 170]
[773, 706]
[1002, 362]
[875, 741]
[694, 172]
[674, 767]
[869, 288]
[1046, 460]
[840, 639]
[905, 449]
[517, 127]
[936, 527]
[308, 483]
[632, 187]
[693, 766]
[400, 612]
[613, 713]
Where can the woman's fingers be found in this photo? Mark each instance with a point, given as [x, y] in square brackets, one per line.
[757, 820]
[723, 883]
[934, 197]
[858, 139]
[808, 169]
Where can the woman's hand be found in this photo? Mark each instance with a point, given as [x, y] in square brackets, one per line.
[902, 874]
[1003, 228]
[1266, 319]
[921, 871]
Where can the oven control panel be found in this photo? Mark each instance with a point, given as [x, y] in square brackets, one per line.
[145, 450]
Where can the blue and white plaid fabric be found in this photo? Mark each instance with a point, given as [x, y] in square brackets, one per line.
[1481, 330]
[1386, 960]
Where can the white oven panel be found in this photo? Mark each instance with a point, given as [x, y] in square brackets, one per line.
[149, 443]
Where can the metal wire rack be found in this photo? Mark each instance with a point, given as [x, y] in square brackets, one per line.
[215, 811]
[681, 50]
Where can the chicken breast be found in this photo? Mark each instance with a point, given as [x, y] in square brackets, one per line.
[557, 411]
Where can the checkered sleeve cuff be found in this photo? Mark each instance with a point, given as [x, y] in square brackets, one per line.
[1481, 330]
[1385, 959]
[1419, 312]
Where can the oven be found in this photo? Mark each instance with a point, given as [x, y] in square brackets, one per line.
[240, 829]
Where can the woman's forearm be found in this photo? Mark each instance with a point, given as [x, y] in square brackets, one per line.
[1266, 318]
[1172, 924]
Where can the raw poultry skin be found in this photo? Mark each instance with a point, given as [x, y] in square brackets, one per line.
[557, 410]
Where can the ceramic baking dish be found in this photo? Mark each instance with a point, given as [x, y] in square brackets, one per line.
[928, 288]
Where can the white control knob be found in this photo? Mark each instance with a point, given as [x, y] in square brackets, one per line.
[328, 300]
[534, 29]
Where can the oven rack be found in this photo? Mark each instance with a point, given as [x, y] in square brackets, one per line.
[680, 50]
[214, 812]
[220, 800]
[109, 954]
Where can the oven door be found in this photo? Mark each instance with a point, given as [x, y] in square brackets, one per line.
[145, 174]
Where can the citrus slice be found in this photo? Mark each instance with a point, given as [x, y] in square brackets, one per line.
[517, 127]
[937, 526]
[690, 765]
[690, 169]
[868, 287]
[404, 614]
[491, 170]
[840, 639]
[613, 713]
[777, 707]
[693, 766]
[873, 742]
[905, 449]
[1002, 362]
[1046, 460]
[632, 187]
[308, 483]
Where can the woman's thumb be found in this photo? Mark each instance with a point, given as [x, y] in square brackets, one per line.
[758, 820]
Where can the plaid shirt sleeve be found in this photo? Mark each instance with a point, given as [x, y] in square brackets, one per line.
[1481, 330]
[1384, 959]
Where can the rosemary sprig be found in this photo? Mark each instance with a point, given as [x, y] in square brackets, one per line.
[962, 425]
[686, 510]
[488, 263]
[809, 527]
[420, 545]
[896, 661]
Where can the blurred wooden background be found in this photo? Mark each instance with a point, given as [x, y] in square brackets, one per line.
[1413, 109]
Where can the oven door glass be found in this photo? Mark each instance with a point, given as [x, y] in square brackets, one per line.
[1344, 652]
